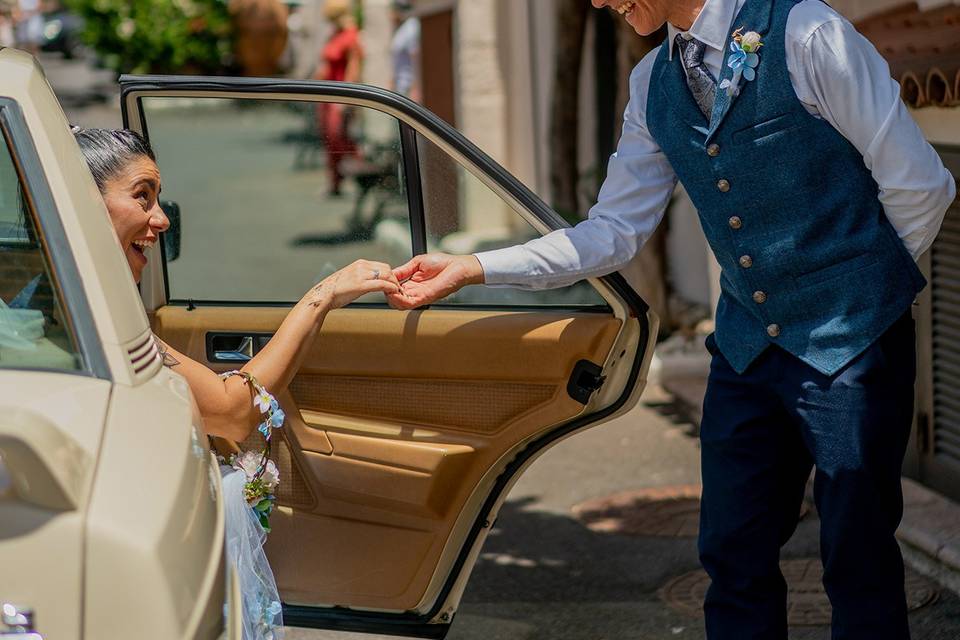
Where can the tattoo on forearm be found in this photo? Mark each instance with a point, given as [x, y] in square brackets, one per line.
[165, 355]
[325, 290]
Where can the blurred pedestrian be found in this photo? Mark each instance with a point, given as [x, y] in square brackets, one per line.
[405, 50]
[7, 9]
[29, 26]
[340, 61]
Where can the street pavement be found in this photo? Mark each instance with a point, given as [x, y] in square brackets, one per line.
[543, 574]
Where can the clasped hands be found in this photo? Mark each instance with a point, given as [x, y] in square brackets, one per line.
[423, 280]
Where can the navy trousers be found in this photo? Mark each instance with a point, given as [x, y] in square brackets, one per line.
[762, 433]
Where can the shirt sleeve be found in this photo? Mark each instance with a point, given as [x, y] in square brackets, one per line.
[841, 74]
[632, 201]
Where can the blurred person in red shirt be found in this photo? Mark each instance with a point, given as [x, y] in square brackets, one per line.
[340, 61]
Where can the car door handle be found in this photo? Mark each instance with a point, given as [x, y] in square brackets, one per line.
[233, 348]
[230, 348]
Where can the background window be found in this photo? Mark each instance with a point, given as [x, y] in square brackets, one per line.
[277, 195]
[463, 216]
[33, 331]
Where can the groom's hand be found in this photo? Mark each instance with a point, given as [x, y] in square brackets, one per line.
[427, 278]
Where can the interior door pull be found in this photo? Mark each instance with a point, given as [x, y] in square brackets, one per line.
[230, 348]
[586, 378]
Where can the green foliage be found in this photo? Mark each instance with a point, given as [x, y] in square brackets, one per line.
[158, 36]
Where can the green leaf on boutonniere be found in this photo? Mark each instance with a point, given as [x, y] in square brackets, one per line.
[263, 506]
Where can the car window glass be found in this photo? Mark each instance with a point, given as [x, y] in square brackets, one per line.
[463, 215]
[33, 330]
[276, 195]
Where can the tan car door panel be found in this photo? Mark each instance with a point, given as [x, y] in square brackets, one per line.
[393, 420]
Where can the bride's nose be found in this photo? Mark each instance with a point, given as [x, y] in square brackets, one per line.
[158, 219]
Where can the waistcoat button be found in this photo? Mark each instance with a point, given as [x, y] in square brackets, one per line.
[723, 185]
[773, 330]
[746, 262]
[759, 297]
[735, 222]
[713, 150]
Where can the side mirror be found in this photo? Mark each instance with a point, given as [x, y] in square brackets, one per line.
[171, 239]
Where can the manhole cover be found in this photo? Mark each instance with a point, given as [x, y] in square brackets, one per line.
[807, 603]
[657, 511]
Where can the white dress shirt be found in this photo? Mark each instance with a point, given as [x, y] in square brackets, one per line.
[837, 74]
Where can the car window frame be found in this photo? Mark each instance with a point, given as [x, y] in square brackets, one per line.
[58, 255]
[414, 120]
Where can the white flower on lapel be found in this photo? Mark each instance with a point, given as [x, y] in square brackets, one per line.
[743, 59]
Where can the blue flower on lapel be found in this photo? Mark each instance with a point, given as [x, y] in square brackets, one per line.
[743, 59]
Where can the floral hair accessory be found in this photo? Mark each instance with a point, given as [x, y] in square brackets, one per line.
[744, 59]
[262, 474]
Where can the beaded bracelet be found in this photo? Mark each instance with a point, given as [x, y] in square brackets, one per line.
[263, 477]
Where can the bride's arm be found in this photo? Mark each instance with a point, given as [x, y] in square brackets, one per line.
[227, 404]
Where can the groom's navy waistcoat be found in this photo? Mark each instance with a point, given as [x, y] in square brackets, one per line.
[809, 260]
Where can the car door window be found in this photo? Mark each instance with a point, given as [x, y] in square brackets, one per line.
[463, 215]
[34, 332]
[276, 195]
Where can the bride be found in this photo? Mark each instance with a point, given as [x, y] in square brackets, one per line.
[125, 170]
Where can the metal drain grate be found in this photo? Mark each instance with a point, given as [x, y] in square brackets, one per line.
[807, 603]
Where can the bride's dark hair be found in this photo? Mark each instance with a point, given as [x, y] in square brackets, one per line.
[107, 151]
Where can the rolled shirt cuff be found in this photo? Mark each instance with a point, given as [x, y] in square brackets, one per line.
[506, 267]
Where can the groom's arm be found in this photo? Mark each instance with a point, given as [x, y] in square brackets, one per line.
[632, 200]
[842, 76]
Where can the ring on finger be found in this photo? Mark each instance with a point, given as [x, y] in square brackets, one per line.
[376, 274]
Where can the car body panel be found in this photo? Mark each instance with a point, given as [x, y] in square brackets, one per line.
[41, 548]
[155, 536]
[138, 551]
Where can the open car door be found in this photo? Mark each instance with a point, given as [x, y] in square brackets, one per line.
[405, 430]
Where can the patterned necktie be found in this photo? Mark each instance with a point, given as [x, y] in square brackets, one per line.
[702, 84]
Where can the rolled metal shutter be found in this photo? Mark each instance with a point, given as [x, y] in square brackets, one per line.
[945, 325]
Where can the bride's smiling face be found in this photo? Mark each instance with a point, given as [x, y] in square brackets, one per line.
[132, 199]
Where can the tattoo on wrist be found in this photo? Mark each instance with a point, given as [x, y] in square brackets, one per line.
[321, 292]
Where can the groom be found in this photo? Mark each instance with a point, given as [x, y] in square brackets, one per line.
[817, 192]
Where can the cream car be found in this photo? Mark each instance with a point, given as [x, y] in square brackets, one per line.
[405, 430]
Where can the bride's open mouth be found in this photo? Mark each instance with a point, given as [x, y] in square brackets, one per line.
[140, 247]
[626, 8]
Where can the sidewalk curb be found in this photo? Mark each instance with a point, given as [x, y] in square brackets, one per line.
[929, 534]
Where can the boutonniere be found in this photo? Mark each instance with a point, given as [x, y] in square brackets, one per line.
[743, 59]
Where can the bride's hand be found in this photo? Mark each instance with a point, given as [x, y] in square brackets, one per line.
[351, 282]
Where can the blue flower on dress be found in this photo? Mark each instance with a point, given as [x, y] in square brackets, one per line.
[272, 611]
[276, 418]
[743, 60]
[264, 428]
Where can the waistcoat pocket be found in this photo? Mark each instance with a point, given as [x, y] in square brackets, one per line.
[767, 128]
[838, 269]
